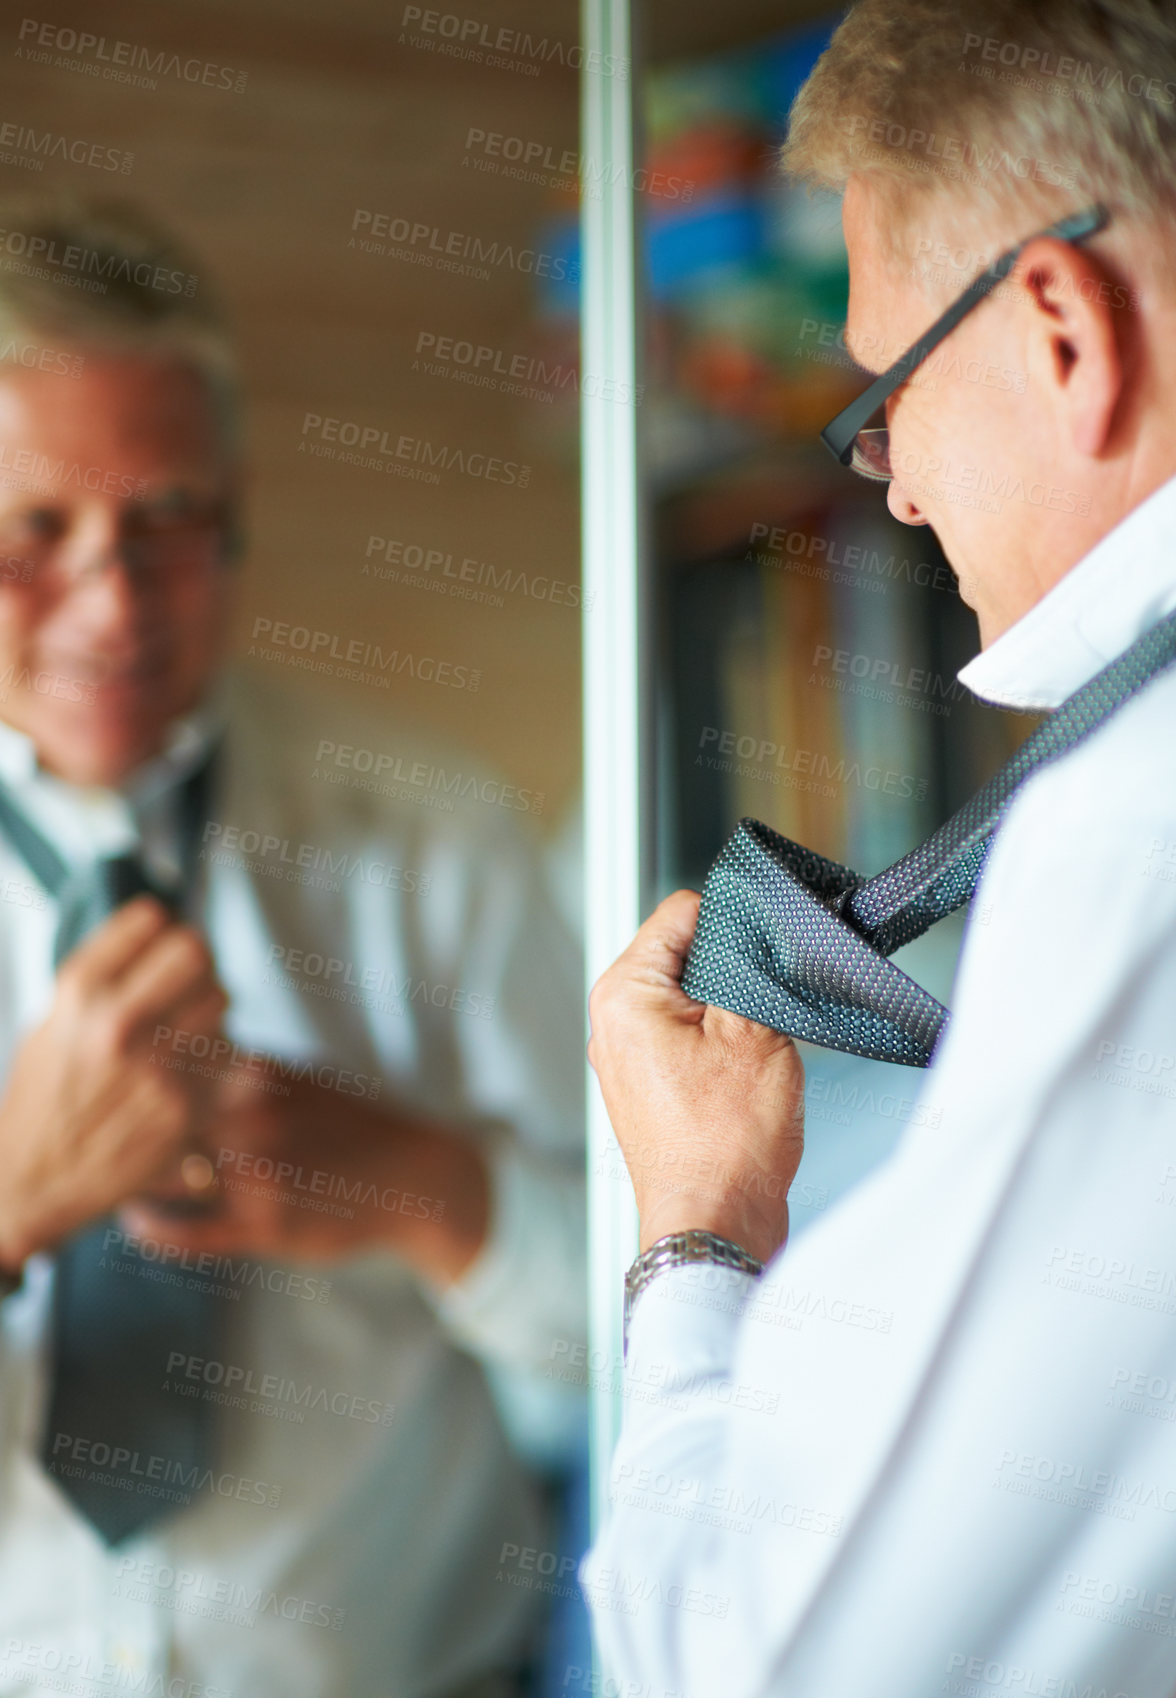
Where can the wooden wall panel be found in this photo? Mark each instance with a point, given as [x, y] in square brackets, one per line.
[343, 109]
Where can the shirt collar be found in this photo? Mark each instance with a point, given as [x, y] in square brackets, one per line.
[1112, 596]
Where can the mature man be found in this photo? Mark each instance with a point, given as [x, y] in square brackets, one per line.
[251, 1018]
[928, 1448]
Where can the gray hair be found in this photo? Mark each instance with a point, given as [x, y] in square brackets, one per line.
[1054, 103]
[84, 274]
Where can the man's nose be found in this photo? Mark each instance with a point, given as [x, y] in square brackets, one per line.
[99, 563]
[901, 505]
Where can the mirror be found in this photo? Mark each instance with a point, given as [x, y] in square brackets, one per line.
[292, 1351]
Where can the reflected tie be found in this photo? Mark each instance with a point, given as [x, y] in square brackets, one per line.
[801, 944]
[122, 1448]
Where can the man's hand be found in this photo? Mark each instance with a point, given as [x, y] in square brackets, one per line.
[316, 1175]
[708, 1107]
[89, 1117]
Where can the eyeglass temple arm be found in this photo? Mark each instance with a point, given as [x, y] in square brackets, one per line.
[838, 436]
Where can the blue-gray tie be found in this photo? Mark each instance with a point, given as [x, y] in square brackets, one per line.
[122, 1448]
[801, 944]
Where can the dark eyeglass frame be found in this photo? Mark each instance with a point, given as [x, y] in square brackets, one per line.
[840, 434]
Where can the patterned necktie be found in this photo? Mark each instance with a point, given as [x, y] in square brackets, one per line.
[801, 944]
[116, 1442]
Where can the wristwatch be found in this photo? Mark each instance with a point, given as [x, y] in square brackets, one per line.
[679, 1250]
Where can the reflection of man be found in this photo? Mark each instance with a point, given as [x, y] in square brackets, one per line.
[929, 1448]
[223, 1464]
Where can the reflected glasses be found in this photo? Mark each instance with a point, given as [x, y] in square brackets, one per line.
[162, 543]
[866, 450]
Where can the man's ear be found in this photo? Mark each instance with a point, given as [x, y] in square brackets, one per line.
[1074, 303]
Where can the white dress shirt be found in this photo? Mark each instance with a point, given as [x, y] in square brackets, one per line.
[932, 1450]
[454, 990]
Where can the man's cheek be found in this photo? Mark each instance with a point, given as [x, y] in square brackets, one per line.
[198, 631]
[18, 655]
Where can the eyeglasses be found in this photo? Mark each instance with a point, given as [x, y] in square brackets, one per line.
[867, 450]
[159, 542]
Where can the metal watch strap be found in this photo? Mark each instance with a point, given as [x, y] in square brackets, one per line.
[679, 1250]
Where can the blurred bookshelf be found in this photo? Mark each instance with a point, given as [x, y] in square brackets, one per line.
[808, 641]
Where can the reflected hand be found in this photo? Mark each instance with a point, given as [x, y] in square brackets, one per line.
[89, 1116]
[318, 1176]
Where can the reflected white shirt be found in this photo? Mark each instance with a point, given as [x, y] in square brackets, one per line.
[931, 1450]
[378, 1573]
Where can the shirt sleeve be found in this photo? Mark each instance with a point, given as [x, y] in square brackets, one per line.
[929, 1451]
[522, 1303]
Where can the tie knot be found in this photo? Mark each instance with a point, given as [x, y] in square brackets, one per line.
[121, 877]
[92, 893]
